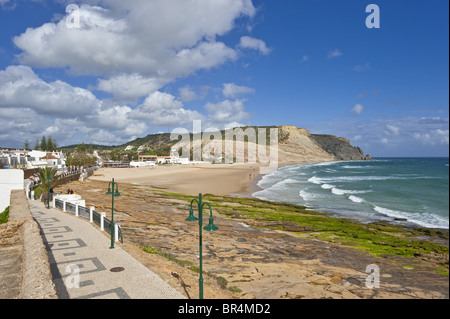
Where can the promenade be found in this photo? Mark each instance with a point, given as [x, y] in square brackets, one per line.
[84, 267]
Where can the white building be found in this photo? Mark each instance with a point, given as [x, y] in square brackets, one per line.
[10, 179]
[38, 159]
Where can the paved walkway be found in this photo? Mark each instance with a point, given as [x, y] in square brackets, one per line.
[79, 255]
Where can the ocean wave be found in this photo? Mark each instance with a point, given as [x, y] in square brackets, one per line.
[307, 196]
[315, 180]
[356, 199]
[357, 166]
[327, 186]
[337, 179]
[338, 191]
[425, 220]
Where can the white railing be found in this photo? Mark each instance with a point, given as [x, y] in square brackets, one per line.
[97, 218]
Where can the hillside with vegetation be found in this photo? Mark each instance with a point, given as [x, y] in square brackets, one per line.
[295, 145]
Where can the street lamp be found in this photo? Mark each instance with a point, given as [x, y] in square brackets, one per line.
[209, 227]
[49, 179]
[113, 194]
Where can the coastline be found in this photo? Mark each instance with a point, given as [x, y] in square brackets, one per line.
[265, 249]
[270, 250]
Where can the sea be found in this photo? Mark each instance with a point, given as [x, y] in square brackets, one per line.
[408, 191]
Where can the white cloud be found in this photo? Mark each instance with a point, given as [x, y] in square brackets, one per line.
[231, 90]
[162, 109]
[129, 87]
[135, 48]
[254, 44]
[334, 54]
[187, 94]
[392, 129]
[226, 113]
[434, 137]
[358, 109]
[156, 40]
[20, 87]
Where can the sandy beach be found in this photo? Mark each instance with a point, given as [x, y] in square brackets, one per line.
[254, 254]
[192, 179]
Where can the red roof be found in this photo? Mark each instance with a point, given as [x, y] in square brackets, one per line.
[49, 157]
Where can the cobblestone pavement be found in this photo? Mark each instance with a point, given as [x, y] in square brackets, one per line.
[84, 267]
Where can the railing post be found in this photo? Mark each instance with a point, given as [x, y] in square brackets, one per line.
[102, 221]
[54, 202]
[91, 214]
[76, 210]
[64, 206]
[116, 230]
[32, 195]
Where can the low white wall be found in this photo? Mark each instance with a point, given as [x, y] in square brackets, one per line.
[9, 179]
[72, 198]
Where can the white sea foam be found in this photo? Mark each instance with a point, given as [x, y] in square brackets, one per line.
[425, 220]
[338, 191]
[356, 199]
[307, 196]
[327, 186]
[356, 166]
[315, 180]
[327, 180]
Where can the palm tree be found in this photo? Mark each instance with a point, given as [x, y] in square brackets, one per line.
[48, 178]
[46, 173]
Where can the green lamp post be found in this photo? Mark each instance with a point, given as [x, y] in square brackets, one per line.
[111, 186]
[209, 227]
[49, 179]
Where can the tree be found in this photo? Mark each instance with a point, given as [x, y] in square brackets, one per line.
[43, 143]
[26, 145]
[50, 144]
[37, 146]
[81, 147]
[44, 174]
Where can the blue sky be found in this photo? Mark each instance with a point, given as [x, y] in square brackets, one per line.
[146, 66]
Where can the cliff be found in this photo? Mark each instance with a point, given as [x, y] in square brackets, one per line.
[297, 145]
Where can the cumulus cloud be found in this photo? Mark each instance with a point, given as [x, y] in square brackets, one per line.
[147, 42]
[129, 87]
[231, 90]
[358, 109]
[29, 106]
[254, 44]
[134, 48]
[187, 94]
[162, 109]
[226, 113]
[20, 87]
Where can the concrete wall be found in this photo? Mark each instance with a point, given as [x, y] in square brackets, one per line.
[25, 269]
[10, 179]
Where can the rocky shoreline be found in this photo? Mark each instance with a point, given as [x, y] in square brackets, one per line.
[253, 257]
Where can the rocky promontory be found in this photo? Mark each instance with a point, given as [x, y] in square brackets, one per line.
[297, 145]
